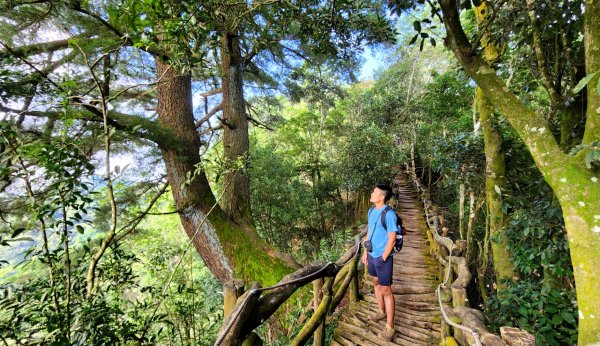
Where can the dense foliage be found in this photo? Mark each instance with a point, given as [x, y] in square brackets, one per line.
[104, 190]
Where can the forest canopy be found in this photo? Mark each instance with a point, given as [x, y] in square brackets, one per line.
[155, 155]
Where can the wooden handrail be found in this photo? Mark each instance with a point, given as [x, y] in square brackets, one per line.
[470, 318]
[253, 308]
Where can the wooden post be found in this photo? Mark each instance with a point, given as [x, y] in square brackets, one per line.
[354, 295]
[515, 336]
[231, 292]
[339, 294]
[317, 317]
[319, 336]
[459, 296]
[253, 340]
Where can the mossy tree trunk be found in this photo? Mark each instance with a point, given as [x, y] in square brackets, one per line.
[230, 251]
[575, 186]
[591, 41]
[495, 181]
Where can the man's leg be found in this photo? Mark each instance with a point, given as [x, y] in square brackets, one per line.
[390, 303]
[384, 274]
[379, 315]
[378, 293]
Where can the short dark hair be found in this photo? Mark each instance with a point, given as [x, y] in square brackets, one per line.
[387, 189]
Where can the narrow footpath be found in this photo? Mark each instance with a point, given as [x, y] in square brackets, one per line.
[417, 318]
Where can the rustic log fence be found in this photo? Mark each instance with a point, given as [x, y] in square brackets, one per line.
[257, 304]
[461, 324]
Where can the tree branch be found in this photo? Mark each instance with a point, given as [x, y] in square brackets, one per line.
[531, 127]
[555, 98]
[211, 129]
[134, 124]
[208, 115]
[37, 48]
[130, 227]
[212, 92]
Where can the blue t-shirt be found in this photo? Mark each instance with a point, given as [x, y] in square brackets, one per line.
[379, 238]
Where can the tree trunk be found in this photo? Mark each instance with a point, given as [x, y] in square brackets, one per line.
[236, 143]
[591, 41]
[570, 117]
[228, 250]
[412, 150]
[461, 211]
[576, 186]
[470, 226]
[495, 183]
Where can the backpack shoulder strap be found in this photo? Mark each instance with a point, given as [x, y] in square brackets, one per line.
[369, 215]
[383, 223]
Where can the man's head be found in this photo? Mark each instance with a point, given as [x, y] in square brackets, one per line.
[381, 193]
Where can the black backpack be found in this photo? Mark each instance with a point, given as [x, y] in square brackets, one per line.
[400, 230]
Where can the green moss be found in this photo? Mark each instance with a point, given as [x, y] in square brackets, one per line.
[495, 183]
[250, 261]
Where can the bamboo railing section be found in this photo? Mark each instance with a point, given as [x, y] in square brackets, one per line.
[257, 304]
[461, 324]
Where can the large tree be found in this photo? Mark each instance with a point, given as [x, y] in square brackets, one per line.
[495, 179]
[573, 178]
[150, 55]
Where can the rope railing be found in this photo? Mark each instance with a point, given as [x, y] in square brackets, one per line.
[257, 304]
[444, 313]
[468, 329]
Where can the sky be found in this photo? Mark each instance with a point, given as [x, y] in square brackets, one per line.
[370, 65]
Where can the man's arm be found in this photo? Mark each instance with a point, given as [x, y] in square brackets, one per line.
[364, 256]
[389, 246]
[390, 220]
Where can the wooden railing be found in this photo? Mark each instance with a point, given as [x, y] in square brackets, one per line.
[461, 324]
[257, 304]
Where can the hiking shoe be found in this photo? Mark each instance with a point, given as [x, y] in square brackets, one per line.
[377, 316]
[388, 333]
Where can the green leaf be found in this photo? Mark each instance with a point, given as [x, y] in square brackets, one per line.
[17, 232]
[583, 82]
[557, 319]
[422, 43]
[432, 41]
[79, 229]
[417, 25]
[414, 39]
[523, 311]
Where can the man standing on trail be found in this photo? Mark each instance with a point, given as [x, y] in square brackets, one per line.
[378, 258]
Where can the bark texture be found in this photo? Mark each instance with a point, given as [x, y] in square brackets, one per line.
[236, 143]
[495, 183]
[591, 40]
[495, 180]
